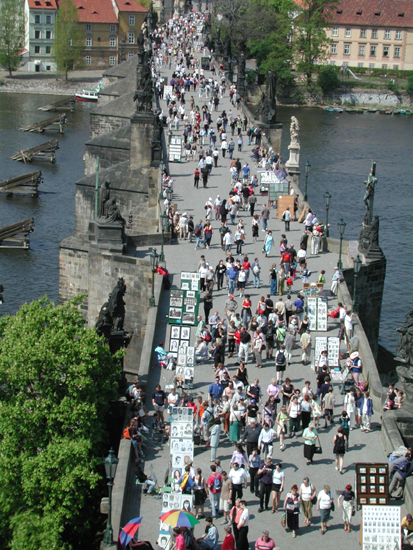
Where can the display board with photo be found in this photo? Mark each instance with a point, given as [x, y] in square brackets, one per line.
[176, 501]
[175, 332]
[381, 527]
[181, 430]
[182, 446]
[175, 313]
[188, 318]
[182, 414]
[184, 303]
[174, 345]
[185, 333]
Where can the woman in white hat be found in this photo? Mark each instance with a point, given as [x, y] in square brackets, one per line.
[355, 367]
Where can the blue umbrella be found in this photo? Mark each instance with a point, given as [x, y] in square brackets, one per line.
[129, 531]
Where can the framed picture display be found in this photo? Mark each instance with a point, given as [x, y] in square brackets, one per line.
[183, 344]
[185, 446]
[176, 293]
[189, 373]
[181, 361]
[185, 285]
[190, 360]
[175, 313]
[174, 345]
[175, 332]
[188, 318]
[195, 285]
[182, 430]
[182, 414]
[185, 333]
[190, 309]
[180, 371]
[185, 276]
[190, 294]
[372, 484]
[190, 351]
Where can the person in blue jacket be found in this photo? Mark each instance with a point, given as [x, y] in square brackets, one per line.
[366, 409]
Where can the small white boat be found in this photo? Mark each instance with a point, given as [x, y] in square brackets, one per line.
[89, 95]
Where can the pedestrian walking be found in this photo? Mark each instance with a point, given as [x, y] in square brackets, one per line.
[214, 442]
[325, 503]
[349, 510]
[339, 449]
[243, 528]
[308, 496]
[269, 241]
[278, 480]
[287, 218]
[292, 508]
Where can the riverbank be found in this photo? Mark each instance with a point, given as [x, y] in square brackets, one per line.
[48, 83]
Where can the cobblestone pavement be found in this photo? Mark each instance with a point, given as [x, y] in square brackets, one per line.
[363, 447]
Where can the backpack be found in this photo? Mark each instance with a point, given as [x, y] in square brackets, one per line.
[256, 270]
[280, 358]
[217, 484]
[197, 231]
[126, 433]
[208, 337]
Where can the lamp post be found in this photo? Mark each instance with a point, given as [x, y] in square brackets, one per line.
[357, 267]
[327, 199]
[164, 224]
[341, 228]
[111, 463]
[154, 261]
[307, 171]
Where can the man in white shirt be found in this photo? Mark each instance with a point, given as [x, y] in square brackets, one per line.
[238, 478]
[265, 441]
[238, 396]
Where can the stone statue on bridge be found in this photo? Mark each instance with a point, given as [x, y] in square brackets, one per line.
[368, 198]
[294, 132]
[103, 198]
[112, 314]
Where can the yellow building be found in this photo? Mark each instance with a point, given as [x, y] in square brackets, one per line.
[100, 25]
[130, 15]
[373, 34]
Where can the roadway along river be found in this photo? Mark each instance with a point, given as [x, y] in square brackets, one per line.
[339, 148]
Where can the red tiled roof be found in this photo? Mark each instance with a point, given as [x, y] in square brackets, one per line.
[95, 11]
[42, 5]
[373, 13]
[130, 5]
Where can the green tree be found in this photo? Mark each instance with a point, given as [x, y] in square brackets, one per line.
[310, 38]
[12, 34]
[271, 45]
[328, 79]
[68, 38]
[57, 379]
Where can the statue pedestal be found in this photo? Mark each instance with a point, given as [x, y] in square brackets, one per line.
[293, 163]
[107, 235]
[273, 133]
[142, 127]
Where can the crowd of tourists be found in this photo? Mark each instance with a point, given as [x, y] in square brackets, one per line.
[249, 333]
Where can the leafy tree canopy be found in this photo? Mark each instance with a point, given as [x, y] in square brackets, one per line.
[69, 38]
[328, 79]
[12, 34]
[57, 379]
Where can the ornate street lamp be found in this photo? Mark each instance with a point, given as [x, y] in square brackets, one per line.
[357, 266]
[327, 199]
[341, 228]
[154, 261]
[307, 171]
[164, 225]
[111, 463]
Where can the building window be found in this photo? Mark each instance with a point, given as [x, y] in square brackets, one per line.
[112, 60]
[130, 54]
[395, 67]
[48, 49]
[112, 42]
[362, 49]
[89, 41]
[332, 63]
[360, 65]
[112, 28]
[131, 21]
[48, 19]
[48, 67]
[348, 32]
[374, 33]
[386, 51]
[37, 35]
[371, 65]
[88, 27]
[362, 33]
[48, 35]
[346, 49]
[372, 51]
[333, 49]
[398, 35]
[397, 51]
[131, 39]
[37, 49]
[345, 64]
[334, 31]
[37, 18]
[88, 60]
[384, 66]
[387, 35]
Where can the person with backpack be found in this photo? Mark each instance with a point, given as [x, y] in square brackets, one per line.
[280, 363]
[339, 448]
[214, 483]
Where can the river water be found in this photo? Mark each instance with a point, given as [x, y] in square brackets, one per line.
[339, 147]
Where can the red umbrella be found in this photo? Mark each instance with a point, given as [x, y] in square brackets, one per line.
[129, 531]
